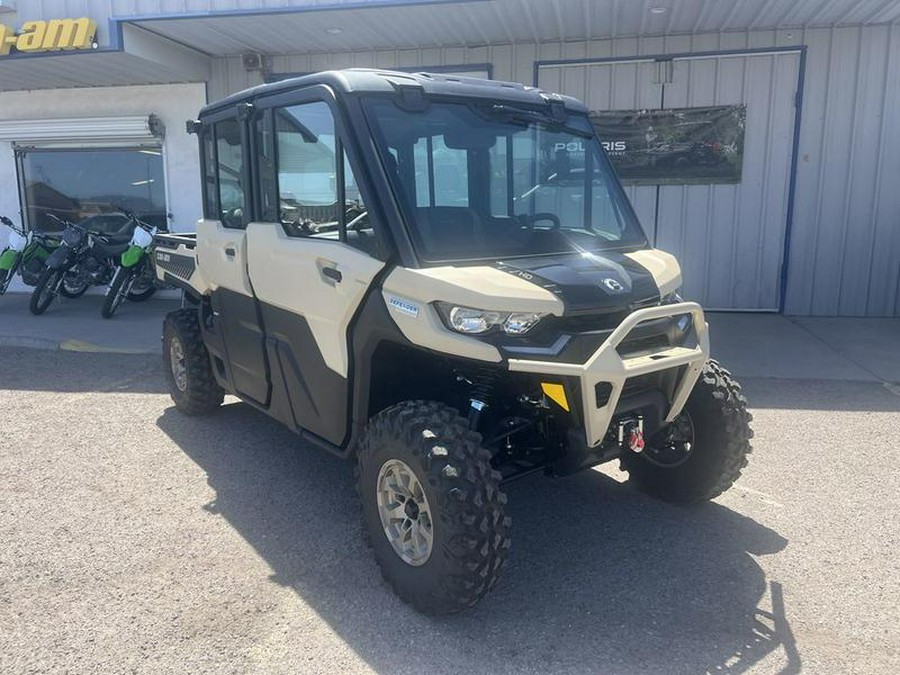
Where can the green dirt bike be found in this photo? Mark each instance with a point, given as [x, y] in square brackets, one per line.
[134, 277]
[27, 253]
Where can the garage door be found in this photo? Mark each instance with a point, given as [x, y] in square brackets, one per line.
[728, 237]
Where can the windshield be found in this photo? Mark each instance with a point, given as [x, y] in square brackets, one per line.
[496, 181]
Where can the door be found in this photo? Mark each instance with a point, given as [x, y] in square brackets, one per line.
[222, 255]
[312, 263]
[729, 238]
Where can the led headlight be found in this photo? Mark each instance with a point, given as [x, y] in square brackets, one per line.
[479, 321]
[475, 321]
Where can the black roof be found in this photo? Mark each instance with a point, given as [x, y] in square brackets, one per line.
[373, 81]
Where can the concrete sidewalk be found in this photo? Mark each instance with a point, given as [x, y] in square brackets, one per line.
[750, 345]
[76, 325]
[807, 348]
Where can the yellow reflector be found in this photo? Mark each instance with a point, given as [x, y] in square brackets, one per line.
[556, 393]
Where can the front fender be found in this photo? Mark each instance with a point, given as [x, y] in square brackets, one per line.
[8, 259]
[132, 256]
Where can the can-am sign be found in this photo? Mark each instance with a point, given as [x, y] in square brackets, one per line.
[49, 36]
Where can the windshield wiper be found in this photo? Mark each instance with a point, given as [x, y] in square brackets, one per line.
[527, 116]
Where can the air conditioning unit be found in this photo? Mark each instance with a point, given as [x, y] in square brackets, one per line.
[253, 61]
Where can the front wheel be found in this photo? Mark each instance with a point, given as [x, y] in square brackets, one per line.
[115, 293]
[701, 454]
[45, 291]
[432, 506]
[192, 385]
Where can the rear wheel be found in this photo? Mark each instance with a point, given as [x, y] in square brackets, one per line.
[144, 285]
[187, 366]
[432, 506]
[73, 287]
[701, 454]
[45, 291]
[141, 295]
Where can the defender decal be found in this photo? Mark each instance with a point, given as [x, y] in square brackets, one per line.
[404, 306]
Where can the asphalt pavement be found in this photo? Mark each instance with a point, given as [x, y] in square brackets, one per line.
[76, 325]
[136, 539]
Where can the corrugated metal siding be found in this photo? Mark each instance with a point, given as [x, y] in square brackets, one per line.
[845, 248]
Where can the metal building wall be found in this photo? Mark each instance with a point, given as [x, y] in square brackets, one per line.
[845, 242]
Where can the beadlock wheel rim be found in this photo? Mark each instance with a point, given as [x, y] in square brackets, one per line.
[405, 512]
[179, 370]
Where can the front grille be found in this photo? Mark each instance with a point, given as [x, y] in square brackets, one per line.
[639, 345]
[588, 323]
[640, 383]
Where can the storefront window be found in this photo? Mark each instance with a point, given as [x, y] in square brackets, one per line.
[96, 184]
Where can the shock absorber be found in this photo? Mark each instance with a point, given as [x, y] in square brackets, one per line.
[482, 391]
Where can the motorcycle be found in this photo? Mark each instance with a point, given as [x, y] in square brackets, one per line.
[83, 259]
[134, 277]
[26, 253]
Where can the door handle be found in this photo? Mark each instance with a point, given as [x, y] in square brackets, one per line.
[230, 252]
[333, 274]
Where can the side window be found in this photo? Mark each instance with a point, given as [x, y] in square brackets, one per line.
[356, 213]
[229, 168]
[307, 170]
[210, 190]
[267, 179]
[318, 195]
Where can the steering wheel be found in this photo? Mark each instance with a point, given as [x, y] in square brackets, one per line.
[529, 220]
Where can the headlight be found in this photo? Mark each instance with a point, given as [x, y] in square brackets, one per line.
[480, 321]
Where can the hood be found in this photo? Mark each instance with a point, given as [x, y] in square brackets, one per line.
[589, 282]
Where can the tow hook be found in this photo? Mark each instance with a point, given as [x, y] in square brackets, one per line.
[631, 434]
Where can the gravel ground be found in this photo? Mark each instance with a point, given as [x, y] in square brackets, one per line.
[135, 539]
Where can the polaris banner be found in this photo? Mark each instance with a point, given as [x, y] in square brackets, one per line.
[679, 146]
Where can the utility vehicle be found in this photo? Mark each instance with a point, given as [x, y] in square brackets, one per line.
[441, 278]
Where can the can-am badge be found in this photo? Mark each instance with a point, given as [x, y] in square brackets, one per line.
[612, 285]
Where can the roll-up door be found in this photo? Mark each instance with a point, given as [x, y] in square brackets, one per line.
[83, 131]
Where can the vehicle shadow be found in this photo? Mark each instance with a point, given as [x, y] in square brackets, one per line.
[600, 579]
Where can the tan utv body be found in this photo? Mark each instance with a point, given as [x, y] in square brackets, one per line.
[442, 279]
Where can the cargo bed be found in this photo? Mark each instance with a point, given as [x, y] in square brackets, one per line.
[175, 262]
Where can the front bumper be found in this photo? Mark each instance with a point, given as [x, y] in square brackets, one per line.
[607, 365]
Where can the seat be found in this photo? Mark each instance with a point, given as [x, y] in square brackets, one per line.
[110, 249]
